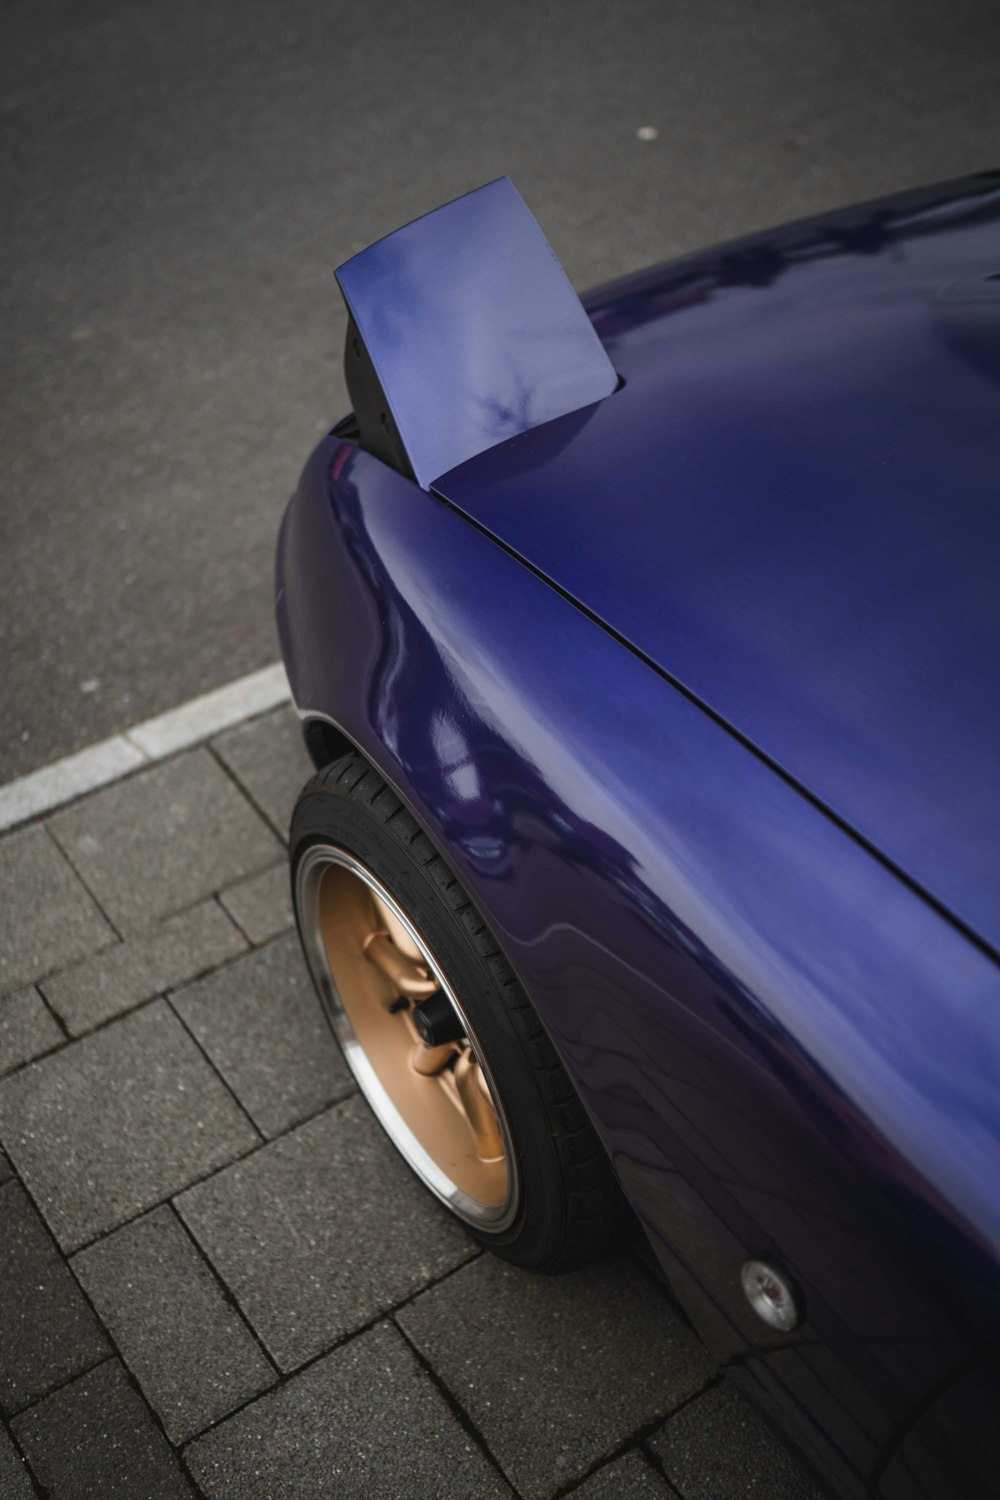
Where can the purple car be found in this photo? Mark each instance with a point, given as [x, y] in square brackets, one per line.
[648, 653]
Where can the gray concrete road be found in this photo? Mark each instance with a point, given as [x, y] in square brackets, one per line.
[179, 178]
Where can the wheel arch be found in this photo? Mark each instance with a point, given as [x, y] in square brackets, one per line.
[324, 741]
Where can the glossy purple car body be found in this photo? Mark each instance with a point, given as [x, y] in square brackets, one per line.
[696, 688]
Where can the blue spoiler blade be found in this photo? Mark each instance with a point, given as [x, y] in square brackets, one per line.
[473, 329]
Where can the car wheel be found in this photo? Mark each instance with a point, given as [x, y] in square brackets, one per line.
[438, 1032]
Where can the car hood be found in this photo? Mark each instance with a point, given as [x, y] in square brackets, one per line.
[792, 508]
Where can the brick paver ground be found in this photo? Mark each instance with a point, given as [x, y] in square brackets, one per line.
[216, 1277]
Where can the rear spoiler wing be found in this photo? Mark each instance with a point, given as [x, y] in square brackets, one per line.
[463, 330]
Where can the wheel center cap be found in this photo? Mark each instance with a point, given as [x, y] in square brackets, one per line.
[436, 1021]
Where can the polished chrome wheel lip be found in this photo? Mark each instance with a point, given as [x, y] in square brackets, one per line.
[312, 867]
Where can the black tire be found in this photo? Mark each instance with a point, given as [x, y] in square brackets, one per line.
[567, 1201]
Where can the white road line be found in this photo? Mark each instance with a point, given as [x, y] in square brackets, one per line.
[67, 778]
[211, 713]
[143, 745]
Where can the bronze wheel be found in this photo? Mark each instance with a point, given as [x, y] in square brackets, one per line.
[406, 1037]
[441, 1037]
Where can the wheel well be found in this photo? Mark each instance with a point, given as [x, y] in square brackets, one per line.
[325, 742]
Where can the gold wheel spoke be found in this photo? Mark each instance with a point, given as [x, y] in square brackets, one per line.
[430, 1061]
[407, 976]
[478, 1107]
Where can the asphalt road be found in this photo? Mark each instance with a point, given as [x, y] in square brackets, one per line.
[179, 179]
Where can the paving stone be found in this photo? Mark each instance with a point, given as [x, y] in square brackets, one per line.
[261, 905]
[47, 1331]
[96, 1437]
[556, 1372]
[27, 1028]
[15, 1481]
[115, 1123]
[364, 1420]
[158, 842]
[121, 977]
[718, 1445]
[184, 1342]
[261, 1023]
[49, 919]
[631, 1477]
[269, 758]
[322, 1230]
